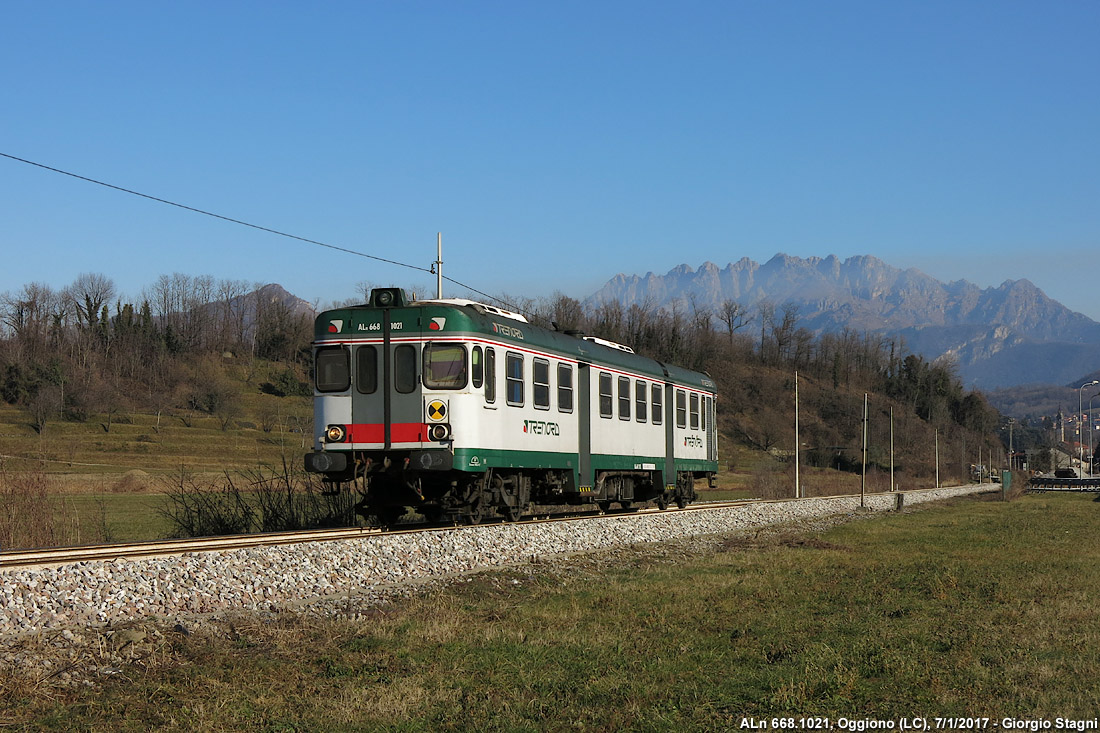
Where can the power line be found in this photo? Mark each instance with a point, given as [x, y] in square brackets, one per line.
[210, 213]
[254, 226]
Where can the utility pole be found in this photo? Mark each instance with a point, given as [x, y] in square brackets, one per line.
[863, 479]
[892, 487]
[797, 485]
[1011, 422]
[937, 458]
[439, 265]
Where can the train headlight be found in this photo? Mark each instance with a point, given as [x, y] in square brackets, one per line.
[439, 431]
[335, 434]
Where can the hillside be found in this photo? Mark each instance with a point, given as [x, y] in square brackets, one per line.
[1003, 336]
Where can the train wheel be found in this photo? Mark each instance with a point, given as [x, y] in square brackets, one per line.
[626, 504]
[511, 513]
[474, 513]
[604, 506]
[388, 516]
[662, 501]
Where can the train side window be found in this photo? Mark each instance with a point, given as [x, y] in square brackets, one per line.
[640, 406]
[477, 367]
[565, 388]
[404, 369]
[658, 403]
[624, 398]
[490, 375]
[444, 366]
[332, 369]
[513, 378]
[681, 408]
[540, 379]
[694, 402]
[366, 369]
[605, 394]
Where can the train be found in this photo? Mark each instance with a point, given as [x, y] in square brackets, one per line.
[462, 411]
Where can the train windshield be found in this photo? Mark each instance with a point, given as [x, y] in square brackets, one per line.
[444, 366]
[332, 370]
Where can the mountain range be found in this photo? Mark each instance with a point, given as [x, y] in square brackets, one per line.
[998, 336]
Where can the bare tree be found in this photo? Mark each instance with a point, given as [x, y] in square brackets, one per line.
[90, 293]
[734, 315]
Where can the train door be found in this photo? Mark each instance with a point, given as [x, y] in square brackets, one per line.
[670, 436]
[711, 429]
[402, 408]
[585, 479]
[366, 397]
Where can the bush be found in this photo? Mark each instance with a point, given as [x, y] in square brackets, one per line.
[287, 384]
[259, 501]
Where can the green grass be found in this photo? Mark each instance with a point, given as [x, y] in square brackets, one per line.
[967, 608]
[118, 517]
[160, 444]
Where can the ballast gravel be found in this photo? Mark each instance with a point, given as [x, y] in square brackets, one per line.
[102, 594]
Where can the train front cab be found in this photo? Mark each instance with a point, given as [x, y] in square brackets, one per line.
[381, 404]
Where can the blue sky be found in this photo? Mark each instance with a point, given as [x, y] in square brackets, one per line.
[553, 144]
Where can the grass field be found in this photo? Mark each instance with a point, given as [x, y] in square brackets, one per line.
[157, 444]
[971, 607]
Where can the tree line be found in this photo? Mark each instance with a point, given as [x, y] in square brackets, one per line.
[83, 349]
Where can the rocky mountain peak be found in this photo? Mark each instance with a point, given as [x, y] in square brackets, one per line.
[978, 327]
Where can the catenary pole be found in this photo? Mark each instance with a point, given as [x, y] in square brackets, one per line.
[439, 265]
[863, 479]
[797, 485]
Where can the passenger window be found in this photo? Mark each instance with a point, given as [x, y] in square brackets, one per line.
[513, 377]
[639, 400]
[490, 376]
[624, 398]
[332, 372]
[404, 369]
[366, 369]
[658, 403]
[565, 388]
[605, 394]
[444, 366]
[681, 408]
[694, 401]
[477, 367]
[540, 378]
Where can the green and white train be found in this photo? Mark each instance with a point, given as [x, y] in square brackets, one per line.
[463, 411]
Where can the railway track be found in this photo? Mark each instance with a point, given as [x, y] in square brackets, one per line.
[65, 555]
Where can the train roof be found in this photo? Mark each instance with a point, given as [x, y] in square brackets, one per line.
[467, 317]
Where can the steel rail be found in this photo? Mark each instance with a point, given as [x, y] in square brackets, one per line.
[30, 558]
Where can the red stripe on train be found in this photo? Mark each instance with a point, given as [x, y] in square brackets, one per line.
[400, 432]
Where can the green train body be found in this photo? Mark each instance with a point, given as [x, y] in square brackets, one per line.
[462, 410]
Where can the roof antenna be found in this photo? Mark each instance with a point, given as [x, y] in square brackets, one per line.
[439, 265]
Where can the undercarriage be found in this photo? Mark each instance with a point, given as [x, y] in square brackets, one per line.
[389, 488]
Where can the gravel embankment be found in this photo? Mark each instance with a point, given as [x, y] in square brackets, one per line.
[96, 594]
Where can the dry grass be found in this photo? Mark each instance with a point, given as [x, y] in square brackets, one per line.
[967, 608]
